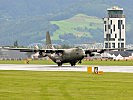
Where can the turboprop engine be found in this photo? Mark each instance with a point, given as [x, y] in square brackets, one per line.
[38, 54]
[35, 55]
[41, 54]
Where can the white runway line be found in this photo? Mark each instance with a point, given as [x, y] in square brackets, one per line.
[41, 67]
[83, 68]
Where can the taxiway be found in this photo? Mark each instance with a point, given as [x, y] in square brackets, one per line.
[83, 68]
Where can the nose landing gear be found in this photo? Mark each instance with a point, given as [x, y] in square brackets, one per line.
[73, 63]
[80, 62]
[59, 64]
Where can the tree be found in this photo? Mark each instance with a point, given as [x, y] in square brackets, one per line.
[16, 43]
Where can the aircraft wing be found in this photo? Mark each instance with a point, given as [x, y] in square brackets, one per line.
[36, 50]
[52, 50]
[91, 51]
[21, 49]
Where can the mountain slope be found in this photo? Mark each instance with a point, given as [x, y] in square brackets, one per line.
[79, 26]
[28, 20]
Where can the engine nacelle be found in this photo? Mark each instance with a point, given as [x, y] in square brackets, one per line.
[42, 54]
[92, 54]
[95, 54]
[35, 55]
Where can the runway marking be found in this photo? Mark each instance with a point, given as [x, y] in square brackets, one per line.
[82, 68]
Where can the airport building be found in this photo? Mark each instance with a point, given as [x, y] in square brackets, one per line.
[12, 55]
[114, 28]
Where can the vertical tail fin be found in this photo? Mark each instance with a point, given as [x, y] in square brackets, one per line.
[48, 41]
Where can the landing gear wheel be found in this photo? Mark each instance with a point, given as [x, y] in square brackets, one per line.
[59, 64]
[80, 62]
[73, 64]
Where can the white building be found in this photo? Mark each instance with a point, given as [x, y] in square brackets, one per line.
[114, 28]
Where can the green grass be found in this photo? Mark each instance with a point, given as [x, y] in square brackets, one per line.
[109, 63]
[94, 62]
[47, 62]
[78, 21]
[28, 85]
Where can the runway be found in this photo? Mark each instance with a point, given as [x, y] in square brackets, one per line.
[82, 68]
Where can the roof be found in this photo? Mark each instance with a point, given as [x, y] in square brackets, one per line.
[115, 8]
[122, 53]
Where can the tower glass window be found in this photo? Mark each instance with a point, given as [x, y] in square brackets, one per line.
[105, 28]
[122, 45]
[111, 22]
[122, 26]
[118, 45]
[119, 24]
[114, 28]
[104, 22]
[113, 45]
[115, 35]
[109, 26]
[111, 31]
[106, 45]
[109, 45]
[115, 12]
[108, 36]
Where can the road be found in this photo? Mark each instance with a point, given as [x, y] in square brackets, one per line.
[127, 69]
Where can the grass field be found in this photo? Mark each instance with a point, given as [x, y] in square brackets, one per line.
[109, 63]
[94, 62]
[28, 85]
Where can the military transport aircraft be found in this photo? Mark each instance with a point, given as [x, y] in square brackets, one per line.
[60, 56]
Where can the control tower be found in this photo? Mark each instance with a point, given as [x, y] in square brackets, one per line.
[114, 29]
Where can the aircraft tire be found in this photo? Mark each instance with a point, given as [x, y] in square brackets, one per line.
[73, 64]
[59, 64]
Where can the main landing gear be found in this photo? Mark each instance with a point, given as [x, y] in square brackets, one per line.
[73, 63]
[59, 64]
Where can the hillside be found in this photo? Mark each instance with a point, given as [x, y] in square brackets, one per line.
[80, 27]
[79, 21]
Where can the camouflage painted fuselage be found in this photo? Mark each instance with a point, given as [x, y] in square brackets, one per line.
[71, 56]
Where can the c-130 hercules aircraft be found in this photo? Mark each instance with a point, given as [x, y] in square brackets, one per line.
[60, 56]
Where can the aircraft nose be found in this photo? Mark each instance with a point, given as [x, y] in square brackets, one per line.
[83, 53]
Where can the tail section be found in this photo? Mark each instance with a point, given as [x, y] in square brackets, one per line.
[48, 41]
